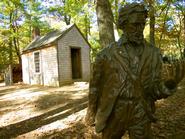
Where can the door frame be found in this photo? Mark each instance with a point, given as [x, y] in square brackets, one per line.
[80, 60]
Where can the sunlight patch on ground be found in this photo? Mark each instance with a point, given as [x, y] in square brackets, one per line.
[2, 84]
[18, 105]
[55, 126]
[79, 95]
[57, 114]
[81, 85]
[160, 102]
[24, 103]
[15, 116]
[76, 86]
[22, 94]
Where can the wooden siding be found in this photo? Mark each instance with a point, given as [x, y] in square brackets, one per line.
[34, 78]
[25, 68]
[48, 67]
[72, 39]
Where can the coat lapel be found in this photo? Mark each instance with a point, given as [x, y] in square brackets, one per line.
[144, 59]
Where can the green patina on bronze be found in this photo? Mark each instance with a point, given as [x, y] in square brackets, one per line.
[126, 81]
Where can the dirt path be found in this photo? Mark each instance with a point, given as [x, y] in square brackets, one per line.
[57, 113]
[171, 116]
[31, 111]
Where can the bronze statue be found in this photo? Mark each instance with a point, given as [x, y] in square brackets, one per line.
[126, 81]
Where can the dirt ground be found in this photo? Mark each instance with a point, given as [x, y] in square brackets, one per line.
[37, 111]
[58, 113]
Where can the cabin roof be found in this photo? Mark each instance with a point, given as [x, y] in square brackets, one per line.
[49, 38]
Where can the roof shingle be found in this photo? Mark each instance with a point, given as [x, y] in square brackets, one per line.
[47, 39]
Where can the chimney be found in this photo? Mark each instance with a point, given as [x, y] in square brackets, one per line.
[35, 32]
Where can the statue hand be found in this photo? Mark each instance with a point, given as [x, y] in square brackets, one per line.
[171, 84]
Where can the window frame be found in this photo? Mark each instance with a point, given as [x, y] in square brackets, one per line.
[37, 62]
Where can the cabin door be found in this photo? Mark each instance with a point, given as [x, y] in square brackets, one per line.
[76, 63]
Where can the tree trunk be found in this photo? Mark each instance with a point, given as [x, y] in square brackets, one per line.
[184, 36]
[10, 55]
[16, 41]
[105, 22]
[15, 38]
[152, 22]
[10, 74]
[106, 33]
[30, 28]
[67, 19]
[86, 26]
[116, 10]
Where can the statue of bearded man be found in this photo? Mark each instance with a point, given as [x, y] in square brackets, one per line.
[126, 81]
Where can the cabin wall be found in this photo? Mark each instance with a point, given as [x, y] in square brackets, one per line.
[50, 66]
[25, 68]
[73, 39]
[48, 74]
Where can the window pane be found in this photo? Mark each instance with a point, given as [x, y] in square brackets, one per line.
[37, 61]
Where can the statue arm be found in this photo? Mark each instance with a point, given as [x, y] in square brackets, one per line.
[161, 89]
[94, 90]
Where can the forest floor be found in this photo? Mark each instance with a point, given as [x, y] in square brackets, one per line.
[58, 113]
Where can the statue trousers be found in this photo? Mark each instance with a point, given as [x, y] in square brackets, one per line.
[128, 115]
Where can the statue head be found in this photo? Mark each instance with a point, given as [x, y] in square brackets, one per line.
[131, 20]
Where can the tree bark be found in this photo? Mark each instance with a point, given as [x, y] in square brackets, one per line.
[86, 27]
[105, 22]
[67, 19]
[10, 55]
[16, 38]
[184, 35]
[152, 22]
[106, 34]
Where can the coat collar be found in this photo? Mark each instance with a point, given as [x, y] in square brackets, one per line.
[121, 52]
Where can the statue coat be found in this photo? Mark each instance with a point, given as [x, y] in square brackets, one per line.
[117, 75]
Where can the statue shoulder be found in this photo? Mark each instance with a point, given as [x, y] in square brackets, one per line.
[152, 48]
[107, 51]
[156, 50]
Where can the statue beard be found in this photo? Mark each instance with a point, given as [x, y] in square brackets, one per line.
[135, 38]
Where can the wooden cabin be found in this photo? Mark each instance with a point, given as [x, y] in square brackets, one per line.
[57, 58]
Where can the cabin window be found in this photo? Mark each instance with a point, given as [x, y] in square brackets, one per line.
[37, 62]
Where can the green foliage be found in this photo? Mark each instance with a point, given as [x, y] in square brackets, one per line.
[19, 17]
[17, 20]
[169, 27]
[95, 48]
[3, 55]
